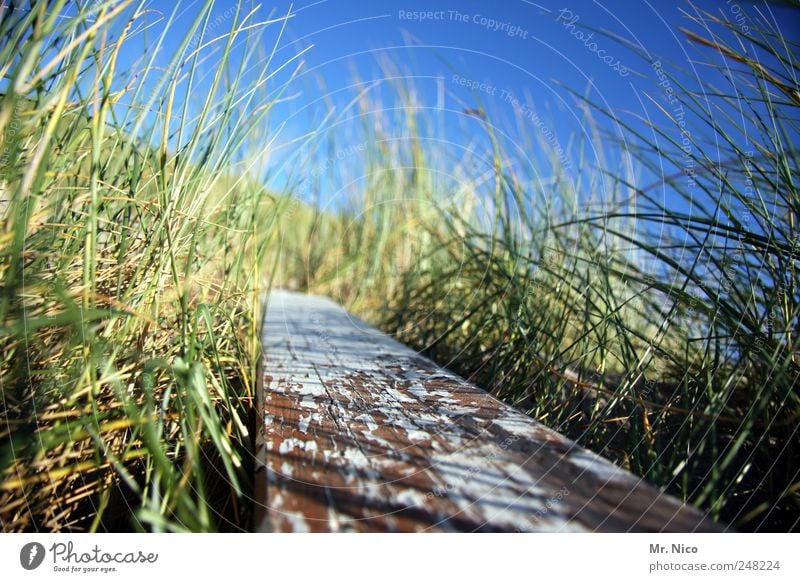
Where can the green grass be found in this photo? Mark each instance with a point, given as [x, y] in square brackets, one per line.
[134, 246]
[129, 273]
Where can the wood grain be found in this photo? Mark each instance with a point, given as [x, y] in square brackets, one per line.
[360, 433]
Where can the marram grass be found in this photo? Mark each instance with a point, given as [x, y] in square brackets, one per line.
[134, 247]
[129, 270]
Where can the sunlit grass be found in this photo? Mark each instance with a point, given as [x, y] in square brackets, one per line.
[130, 252]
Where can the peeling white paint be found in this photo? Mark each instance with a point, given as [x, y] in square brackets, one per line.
[397, 395]
[297, 521]
[411, 498]
[368, 420]
[291, 443]
[356, 457]
[598, 466]
[347, 381]
[311, 389]
[287, 445]
[418, 390]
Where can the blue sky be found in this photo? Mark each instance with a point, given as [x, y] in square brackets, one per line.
[505, 56]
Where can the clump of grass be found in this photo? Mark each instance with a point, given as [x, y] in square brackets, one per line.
[130, 243]
[656, 325]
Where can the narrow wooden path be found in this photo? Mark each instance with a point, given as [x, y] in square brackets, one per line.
[360, 433]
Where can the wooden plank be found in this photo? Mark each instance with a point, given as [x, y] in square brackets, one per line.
[360, 433]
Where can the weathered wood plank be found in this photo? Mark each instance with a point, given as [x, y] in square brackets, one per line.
[360, 433]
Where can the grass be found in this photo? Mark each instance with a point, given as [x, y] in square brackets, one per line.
[656, 324]
[129, 272]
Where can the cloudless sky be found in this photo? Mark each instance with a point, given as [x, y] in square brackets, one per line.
[531, 51]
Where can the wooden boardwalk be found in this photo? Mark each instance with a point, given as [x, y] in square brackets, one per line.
[360, 433]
